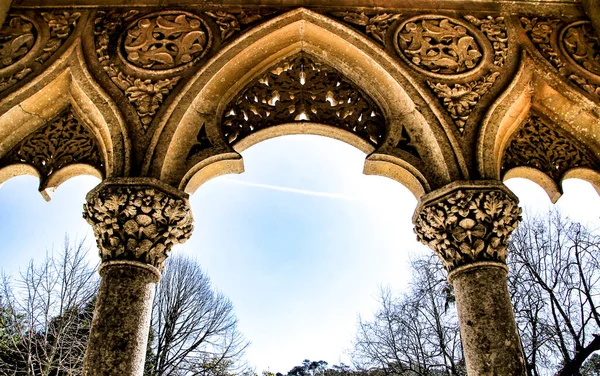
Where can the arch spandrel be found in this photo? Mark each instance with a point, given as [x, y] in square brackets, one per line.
[343, 49]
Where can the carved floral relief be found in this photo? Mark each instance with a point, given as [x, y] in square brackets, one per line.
[467, 226]
[16, 40]
[300, 88]
[62, 142]
[165, 41]
[438, 44]
[574, 51]
[537, 145]
[137, 223]
[375, 26]
[19, 37]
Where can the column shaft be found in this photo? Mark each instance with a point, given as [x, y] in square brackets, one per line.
[119, 332]
[488, 330]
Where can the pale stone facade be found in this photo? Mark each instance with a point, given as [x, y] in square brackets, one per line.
[448, 97]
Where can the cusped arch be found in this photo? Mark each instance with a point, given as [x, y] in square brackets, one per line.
[198, 126]
[542, 128]
[61, 125]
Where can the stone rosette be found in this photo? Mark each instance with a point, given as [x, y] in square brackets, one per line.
[138, 222]
[468, 224]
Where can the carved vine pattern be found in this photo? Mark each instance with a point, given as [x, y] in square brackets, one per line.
[16, 40]
[439, 45]
[460, 99]
[145, 95]
[581, 43]
[19, 37]
[540, 31]
[495, 30]
[539, 146]
[376, 25]
[301, 89]
[64, 141]
[138, 223]
[469, 226]
[165, 41]
[229, 23]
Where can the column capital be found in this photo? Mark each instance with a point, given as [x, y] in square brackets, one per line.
[467, 222]
[138, 219]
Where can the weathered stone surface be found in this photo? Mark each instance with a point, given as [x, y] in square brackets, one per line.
[119, 331]
[488, 330]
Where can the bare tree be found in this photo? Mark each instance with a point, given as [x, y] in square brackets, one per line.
[415, 333]
[555, 284]
[194, 328]
[47, 312]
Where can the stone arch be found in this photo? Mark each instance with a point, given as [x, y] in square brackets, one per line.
[61, 100]
[569, 114]
[353, 56]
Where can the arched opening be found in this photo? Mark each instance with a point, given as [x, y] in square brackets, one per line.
[300, 242]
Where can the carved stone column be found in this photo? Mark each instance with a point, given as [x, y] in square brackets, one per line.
[136, 222]
[468, 225]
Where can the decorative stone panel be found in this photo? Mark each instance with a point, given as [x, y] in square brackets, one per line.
[467, 224]
[138, 221]
[60, 143]
[297, 89]
[27, 42]
[540, 146]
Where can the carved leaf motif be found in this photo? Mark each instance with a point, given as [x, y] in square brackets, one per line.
[374, 25]
[61, 25]
[541, 32]
[145, 95]
[16, 39]
[469, 226]
[302, 89]
[138, 223]
[230, 23]
[439, 46]
[583, 46]
[495, 29]
[460, 99]
[60, 143]
[166, 41]
[537, 145]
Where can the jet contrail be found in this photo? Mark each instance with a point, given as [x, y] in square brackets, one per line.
[337, 196]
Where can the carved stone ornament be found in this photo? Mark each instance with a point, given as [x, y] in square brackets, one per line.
[137, 222]
[300, 88]
[165, 41]
[144, 94]
[62, 142]
[230, 23]
[461, 99]
[495, 30]
[18, 39]
[468, 225]
[539, 146]
[579, 47]
[438, 44]
[376, 25]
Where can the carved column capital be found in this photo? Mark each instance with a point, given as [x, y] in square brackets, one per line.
[467, 222]
[138, 220]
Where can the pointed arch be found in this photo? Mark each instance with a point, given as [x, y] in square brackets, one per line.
[65, 86]
[194, 119]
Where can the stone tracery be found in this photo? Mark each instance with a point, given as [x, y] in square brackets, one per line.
[302, 89]
[539, 146]
[60, 143]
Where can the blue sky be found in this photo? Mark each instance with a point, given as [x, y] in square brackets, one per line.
[300, 242]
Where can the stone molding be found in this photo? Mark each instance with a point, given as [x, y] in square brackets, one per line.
[467, 222]
[138, 220]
